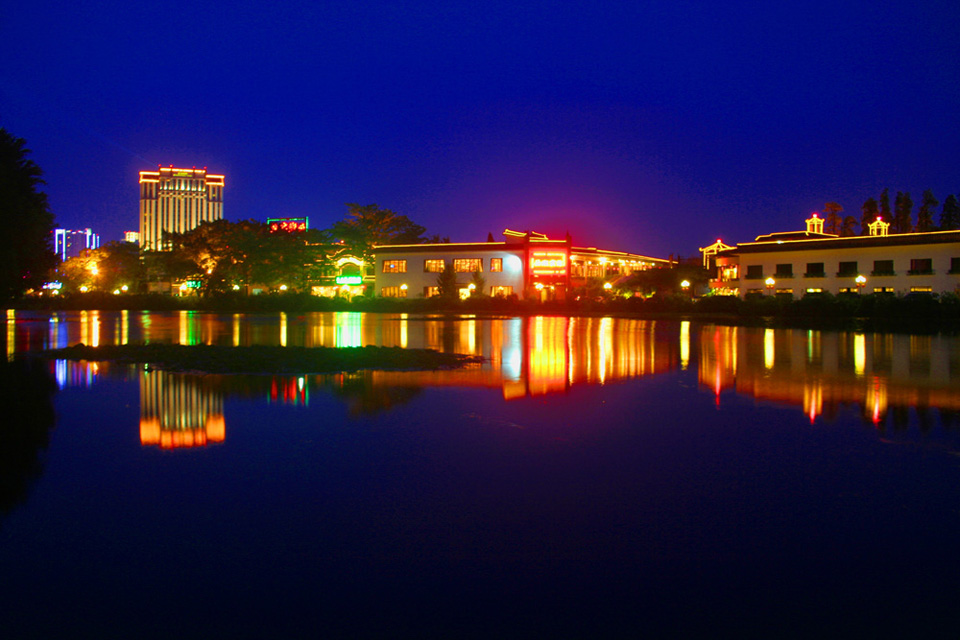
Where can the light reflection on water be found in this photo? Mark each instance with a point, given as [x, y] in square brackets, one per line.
[817, 371]
[648, 476]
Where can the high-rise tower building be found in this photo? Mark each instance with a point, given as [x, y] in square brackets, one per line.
[176, 200]
[69, 244]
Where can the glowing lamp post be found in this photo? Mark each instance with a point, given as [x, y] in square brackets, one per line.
[861, 283]
[770, 282]
[685, 285]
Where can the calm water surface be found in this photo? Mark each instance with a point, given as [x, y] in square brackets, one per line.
[595, 477]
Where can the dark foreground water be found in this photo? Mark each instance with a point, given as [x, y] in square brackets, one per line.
[595, 478]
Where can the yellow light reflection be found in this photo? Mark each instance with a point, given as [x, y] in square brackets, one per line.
[684, 344]
[860, 353]
[283, 329]
[403, 330]
[768, 349]
[11, 333]
[236, 329]
[470, 326]
[547, 355]
[605, 347]
[813, 400]
[877, 399]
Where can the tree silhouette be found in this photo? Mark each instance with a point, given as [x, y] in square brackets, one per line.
[832, 222]
[447, 283]
[26, 252]
[925, 214]
[869, 212]
[950, 216]
[26, 391]
[903, 213]
[367, 226]
[885, 211]
[849, 227]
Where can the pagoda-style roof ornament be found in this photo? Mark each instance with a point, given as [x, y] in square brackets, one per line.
[815, 223]
[710, 251]
[878, 227]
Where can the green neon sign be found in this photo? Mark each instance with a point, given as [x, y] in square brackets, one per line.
[349, 279]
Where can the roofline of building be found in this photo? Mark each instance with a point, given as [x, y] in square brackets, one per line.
[508, 246]
[850, 242]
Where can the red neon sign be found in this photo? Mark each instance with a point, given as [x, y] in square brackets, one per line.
[288, 225]
[548, 263]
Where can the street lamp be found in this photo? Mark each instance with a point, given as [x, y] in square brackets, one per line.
[861, 282]
[770, 282]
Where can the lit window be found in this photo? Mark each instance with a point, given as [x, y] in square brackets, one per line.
[496, 265]
[429, 292]
[467, 265]
[921, 289]
[501, 292]
[394, 266]
[433, 266]
[393, 292]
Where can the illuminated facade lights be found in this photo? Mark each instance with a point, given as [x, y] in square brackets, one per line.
[176, 200]
[525, 264]
[69, 244]
[811, 262]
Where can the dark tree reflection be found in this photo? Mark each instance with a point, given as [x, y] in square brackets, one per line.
[363, 397]
[26, 389]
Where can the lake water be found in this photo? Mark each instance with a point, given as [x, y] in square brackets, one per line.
[594, 477]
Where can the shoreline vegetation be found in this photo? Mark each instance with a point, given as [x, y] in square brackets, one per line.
[216, 359]
[913, 312]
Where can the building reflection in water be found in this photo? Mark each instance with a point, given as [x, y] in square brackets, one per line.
[883, 374]
[180, 410]
[821, 371]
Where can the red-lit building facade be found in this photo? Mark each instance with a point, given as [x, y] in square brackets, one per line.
[525, 264]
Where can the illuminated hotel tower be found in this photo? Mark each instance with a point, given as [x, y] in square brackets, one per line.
[176, 200]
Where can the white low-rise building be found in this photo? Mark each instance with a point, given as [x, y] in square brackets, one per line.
[525, 264]
[799, 263]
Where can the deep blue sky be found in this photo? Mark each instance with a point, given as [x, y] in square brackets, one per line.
[652, 127]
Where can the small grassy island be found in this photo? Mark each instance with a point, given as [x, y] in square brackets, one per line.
[265, 359]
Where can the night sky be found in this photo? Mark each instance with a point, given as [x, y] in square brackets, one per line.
[651, 127]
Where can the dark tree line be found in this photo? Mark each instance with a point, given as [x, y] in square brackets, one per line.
[221, 256]
[899, 216]
[26, 249]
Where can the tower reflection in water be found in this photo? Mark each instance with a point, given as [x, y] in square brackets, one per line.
[178, 410]
[824, 370]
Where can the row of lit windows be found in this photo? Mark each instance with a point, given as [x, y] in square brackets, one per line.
[496, 292]
[437, 265]
[814, 290]
[429, 292]
[918, 266]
